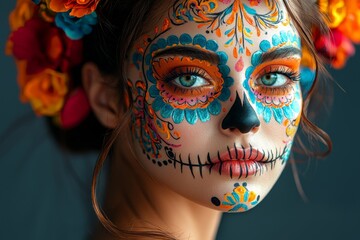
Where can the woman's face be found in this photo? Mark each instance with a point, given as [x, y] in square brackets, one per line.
[217, 99]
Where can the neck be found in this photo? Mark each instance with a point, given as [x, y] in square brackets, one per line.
[135, 201]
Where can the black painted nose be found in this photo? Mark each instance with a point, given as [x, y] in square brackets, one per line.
[241, 116]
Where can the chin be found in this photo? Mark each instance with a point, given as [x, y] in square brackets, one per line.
[215, 189]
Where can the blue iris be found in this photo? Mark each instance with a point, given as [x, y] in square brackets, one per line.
[273, 79]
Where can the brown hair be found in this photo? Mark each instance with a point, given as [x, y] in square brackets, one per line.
[310, 18]
[120, 23]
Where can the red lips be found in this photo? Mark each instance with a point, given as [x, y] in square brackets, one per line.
[239, 162]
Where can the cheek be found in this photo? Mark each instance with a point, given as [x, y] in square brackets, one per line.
[279, 107]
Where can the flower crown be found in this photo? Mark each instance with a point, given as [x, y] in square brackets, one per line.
[343, 20]
[46, 41]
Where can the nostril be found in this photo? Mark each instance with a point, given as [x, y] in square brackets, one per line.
[255, 129]
[241, 116]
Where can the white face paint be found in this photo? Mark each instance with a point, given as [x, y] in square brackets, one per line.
[217, 99]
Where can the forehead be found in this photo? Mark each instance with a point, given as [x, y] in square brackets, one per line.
[238, 27]
[241, 21]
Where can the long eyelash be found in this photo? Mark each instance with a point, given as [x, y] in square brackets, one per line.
[288, 72]
[178, 72]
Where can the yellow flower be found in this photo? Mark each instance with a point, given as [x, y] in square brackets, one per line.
[335, 11]
[351, 24]
[46, 91]
[343, 15]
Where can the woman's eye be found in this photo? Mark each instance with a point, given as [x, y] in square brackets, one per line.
[190, 81]
[273, 79]
[185, 82]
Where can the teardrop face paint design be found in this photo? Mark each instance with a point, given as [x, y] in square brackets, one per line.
[216, 99]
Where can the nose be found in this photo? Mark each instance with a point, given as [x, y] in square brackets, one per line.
[241, 116]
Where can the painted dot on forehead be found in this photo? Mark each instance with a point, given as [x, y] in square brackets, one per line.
[284, 36]
[255, 58]
[172, 40]
[224, 69]
[223, 57]
[161, 43]
[212, 45]
[154, 47]
[199, 40]
[276, 40]
[265, 45]
[185, 39]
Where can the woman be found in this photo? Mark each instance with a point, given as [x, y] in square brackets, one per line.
[203, 98]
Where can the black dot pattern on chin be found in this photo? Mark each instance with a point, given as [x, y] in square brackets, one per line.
[215, 201]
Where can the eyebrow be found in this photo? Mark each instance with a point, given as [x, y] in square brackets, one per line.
[282, 52]
[192, 52]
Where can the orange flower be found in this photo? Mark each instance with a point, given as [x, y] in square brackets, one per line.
[46, 91]
[343, 15]
[79, 8]
[23, 11]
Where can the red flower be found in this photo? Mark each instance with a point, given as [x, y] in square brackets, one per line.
[79, 8]
[75, 109]
[43, 45]
[336, 47]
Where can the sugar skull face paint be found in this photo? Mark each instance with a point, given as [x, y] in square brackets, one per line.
[217, 99]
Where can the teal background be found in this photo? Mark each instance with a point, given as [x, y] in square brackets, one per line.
[45, 192]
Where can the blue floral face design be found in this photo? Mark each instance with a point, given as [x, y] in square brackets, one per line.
[216, 99]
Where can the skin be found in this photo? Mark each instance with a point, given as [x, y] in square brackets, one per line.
[226, 95]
